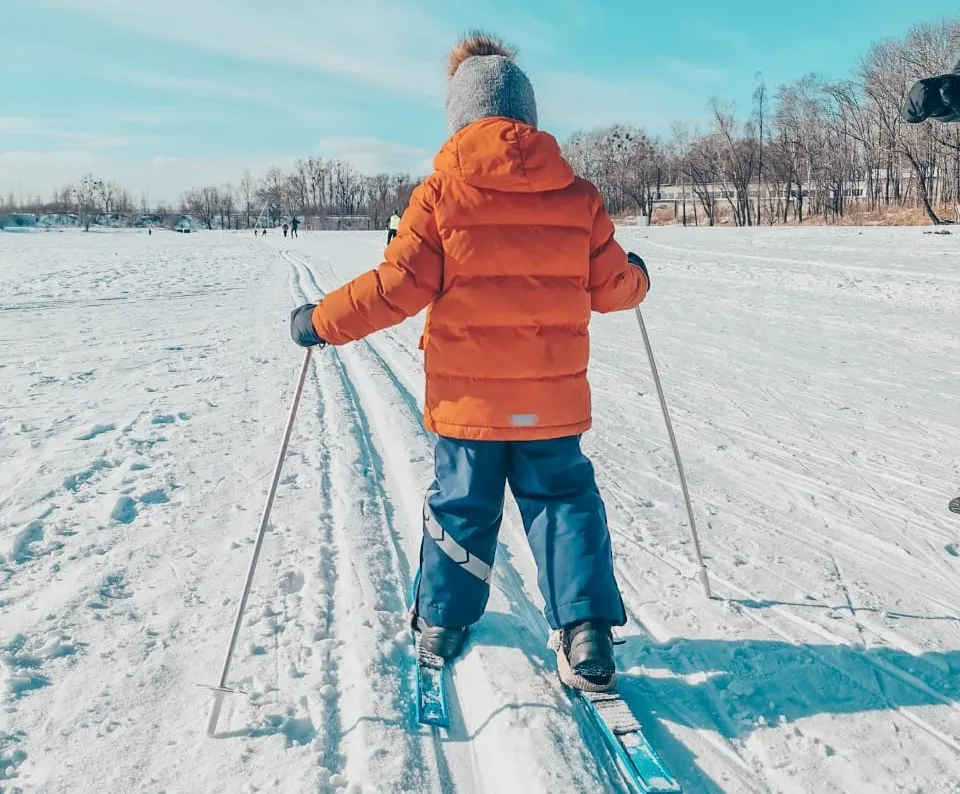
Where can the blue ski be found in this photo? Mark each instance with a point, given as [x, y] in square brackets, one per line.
[431, 692]
[638, 762]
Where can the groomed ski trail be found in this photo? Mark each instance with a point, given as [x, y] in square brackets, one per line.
[373, 658]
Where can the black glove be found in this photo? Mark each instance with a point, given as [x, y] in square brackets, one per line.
[935, 98]
[635, 260]
[301, 326]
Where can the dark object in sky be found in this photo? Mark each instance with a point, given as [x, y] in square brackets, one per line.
[935, 98]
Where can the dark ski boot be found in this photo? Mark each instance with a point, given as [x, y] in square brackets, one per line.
[585, 657]
[955, 505]
[438, 641]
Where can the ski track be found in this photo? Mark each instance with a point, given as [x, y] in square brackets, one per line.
[367, 530]
[811, 387]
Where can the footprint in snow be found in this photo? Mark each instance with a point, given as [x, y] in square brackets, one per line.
[96, 430]
[114, 588]
[169, 419]
[125, 510]
[157, 496]
[296, 730]
[11, 756]
[23, 550]
[74, 481]
[291, 582]
[21, 668]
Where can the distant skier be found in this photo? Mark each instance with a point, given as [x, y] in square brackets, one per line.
[511, 252]
[294, 225]
[285, 229]
[936, 98]
[393, 226]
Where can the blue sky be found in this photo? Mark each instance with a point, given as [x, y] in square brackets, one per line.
[161, 99]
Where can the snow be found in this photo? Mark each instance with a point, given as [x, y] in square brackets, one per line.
[144, 384]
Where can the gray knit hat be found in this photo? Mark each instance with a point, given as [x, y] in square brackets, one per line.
[484, 82]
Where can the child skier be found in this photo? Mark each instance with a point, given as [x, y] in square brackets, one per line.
[511, 252]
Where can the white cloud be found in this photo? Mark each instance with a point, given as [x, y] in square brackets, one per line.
[164, 177]
[158, 177]
[161, 161]
[215, 88]
[24, 127]
[573, 101]
[683, 71]
[373, 155]
[31, 174]
[389, 45]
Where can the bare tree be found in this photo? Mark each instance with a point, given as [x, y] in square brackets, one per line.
[225, 204]
[84, 195]
[245, 192]
[272, 192]
[379, 195]
[202, 204]
[759, 97]
[106, 192]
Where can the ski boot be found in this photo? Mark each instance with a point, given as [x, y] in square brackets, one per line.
[437, 641]
[585, 657]
[955, 505]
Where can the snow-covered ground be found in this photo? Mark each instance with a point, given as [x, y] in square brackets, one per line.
[814, 381]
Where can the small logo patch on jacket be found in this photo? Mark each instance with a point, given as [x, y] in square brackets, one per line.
[524, 420]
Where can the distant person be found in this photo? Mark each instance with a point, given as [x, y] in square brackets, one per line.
[936, 98]
[294, 225]
[393, 225]
[285, 229]
[512, 252]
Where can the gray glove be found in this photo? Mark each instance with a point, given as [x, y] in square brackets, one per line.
[301, 326]
[636, 261]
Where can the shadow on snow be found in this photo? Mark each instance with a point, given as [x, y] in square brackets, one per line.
[735, 687]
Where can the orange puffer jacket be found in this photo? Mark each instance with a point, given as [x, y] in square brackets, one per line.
[512, 252]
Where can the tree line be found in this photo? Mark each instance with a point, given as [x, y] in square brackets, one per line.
[811, 148]
[325, 193]
[322, 193]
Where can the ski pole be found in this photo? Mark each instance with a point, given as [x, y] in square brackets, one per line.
[222, 689]
[702, 574]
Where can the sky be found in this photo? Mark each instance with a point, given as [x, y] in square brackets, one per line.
[165, 96]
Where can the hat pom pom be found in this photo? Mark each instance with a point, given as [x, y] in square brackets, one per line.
[474, 44]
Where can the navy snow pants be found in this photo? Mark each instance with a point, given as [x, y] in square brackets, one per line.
[563, 515]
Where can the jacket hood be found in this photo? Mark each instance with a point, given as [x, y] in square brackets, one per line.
[503, 154]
